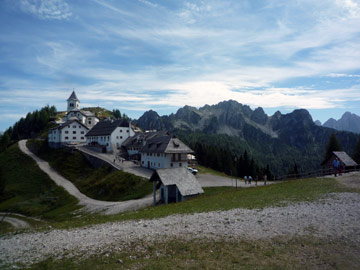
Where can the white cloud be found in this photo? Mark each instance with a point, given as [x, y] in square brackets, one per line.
[46, 9]
[148, 3]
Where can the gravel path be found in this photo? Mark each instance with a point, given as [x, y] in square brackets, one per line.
[336, 216]
[16, 222]
[90, 205]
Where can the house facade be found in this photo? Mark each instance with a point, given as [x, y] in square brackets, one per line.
[110, 134]
[71, 132]
[164, 152]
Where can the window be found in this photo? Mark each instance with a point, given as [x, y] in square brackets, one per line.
[159, 164]
[142, 162]
[89, 122]
[66, 132]
[171, 164]
[68, 126]
[74, 126]
[79, 126]
[66, 138]
[74, 132]
[117, 137]
[158, 155]
[82, 132]
[120, 137]
[82, 138]
[180, 164]
[120, 130]
[127, 130]
[74, 138]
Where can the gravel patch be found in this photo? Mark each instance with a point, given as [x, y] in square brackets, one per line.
[337, 216]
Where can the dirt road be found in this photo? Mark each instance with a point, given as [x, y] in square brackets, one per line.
[90, 205]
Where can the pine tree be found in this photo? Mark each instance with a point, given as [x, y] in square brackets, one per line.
[332, 145]
[356, 155]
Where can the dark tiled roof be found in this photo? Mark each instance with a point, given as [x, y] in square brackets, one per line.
[73, 119]
[138, 139]
[181, 177]
[73, 97]
[106, 127]
[85, 113]
[166, 144]
[344, 158]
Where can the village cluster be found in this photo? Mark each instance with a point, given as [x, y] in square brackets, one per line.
[154, 149]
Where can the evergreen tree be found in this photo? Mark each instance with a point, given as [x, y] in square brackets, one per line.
[4, 141]
[116, 113]
[332, 145]
[356, 155]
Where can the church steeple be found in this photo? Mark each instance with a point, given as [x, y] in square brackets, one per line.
[73, 102]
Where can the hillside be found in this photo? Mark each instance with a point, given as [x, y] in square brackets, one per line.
[25, 189]
[280, 140]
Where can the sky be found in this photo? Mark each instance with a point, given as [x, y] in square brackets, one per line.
[137, 55]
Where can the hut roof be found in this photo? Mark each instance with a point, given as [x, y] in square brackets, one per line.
[166, 144]
[106, 127]
[181, 177]
[348, 161]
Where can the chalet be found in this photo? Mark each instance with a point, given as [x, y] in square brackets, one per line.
[134, 144]
[164, 152]
[176, 184]
[343, 157]
[109, 134]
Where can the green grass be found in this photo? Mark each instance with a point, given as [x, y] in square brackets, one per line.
[27, 190]
[103, 183]
[276, 254]
[206, 170]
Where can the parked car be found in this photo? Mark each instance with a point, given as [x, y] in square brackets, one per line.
[193, 171]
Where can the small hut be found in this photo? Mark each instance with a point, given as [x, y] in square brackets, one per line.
[176, 184]
[343, 157]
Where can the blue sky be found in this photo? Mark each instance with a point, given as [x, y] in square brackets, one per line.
[137, 55]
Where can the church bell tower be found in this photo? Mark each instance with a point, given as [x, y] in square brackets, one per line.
[73, 102]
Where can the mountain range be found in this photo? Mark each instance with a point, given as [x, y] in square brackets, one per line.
[348, 122]
[278, 141]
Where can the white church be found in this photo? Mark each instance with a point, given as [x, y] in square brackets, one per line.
[74, 126]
